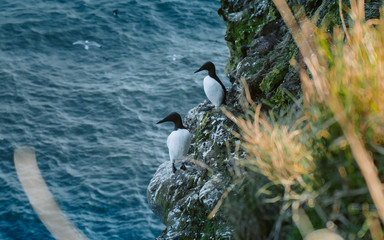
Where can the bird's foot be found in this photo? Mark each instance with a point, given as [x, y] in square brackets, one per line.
[173, 168]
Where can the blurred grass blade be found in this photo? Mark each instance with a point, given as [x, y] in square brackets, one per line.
[346, 78]
[41, 198]
[301, 219]
[323, 234]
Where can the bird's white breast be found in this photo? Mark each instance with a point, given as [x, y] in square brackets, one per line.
[213, 90]
[178, 143]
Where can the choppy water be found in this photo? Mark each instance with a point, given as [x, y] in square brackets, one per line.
[91, 114]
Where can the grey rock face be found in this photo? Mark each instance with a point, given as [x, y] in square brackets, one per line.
[211, 192]
[183, 200]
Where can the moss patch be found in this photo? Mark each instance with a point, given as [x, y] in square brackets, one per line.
[273, 78]
[243, 31]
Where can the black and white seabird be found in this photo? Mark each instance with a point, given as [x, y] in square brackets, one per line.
[178, 141]
[213, 87]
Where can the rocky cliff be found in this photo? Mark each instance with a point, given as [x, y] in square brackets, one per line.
[183, 201]
[261, 48]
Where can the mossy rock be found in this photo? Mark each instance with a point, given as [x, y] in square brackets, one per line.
[273, 78]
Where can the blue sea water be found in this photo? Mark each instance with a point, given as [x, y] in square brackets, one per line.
[90, 114]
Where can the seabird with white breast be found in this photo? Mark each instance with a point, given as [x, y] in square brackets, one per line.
[213, 87]
[178, 141]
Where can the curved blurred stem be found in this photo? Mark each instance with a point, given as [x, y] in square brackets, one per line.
[343, 21]
[303, 38]
[275, 233]
[362, 157]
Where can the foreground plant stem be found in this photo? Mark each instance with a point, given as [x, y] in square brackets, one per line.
[362, 157]
[303, 35]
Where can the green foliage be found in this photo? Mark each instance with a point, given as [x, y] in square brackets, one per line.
[243, 31]
[201, 133]
[273, 78]
[279, 99]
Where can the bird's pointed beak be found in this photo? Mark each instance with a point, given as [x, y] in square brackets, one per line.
[163, 120]
[198, 70]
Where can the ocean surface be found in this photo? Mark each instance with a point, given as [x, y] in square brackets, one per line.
[91, 114]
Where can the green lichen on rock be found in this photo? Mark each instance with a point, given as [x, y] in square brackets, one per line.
[243, 23]
[200, 136]
[271, 48]
[279, 99]
[273, 78]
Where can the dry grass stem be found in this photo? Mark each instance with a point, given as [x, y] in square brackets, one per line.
[343, 21]
[200, 164]
[275, 150]
[348, 79]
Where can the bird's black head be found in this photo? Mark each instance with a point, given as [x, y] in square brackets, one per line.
[209, 66]
[175, 118]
